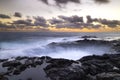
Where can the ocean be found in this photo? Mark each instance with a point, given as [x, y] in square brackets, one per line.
[13, 44]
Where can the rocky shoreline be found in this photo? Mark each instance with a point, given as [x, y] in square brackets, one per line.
[94, 67]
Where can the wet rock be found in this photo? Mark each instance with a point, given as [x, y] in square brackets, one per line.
[108, 76]
[65, 73]
[11, 63]
[16, 72]
[62, 69]
[61, 62]
[116, 47]
[29, 79]
[94, 67]
[88, 37]
[2, 60]
[2, 77]
[21, 58]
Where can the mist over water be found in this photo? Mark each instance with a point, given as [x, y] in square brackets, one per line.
[37, 44]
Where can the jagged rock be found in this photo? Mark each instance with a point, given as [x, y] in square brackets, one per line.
[2, 77]
[21, 58]
[61, 62]
[16, 72]
[88, 37]
[11, 63]
[116, 47]
[2, 60]
[108, 76]
[94, 67]
[65, 73]
[62, 69]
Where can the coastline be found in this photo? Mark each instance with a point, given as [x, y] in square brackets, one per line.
[94, 67]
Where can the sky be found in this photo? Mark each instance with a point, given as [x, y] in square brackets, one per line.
[60, 15]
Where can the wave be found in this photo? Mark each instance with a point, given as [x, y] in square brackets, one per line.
[57, 47]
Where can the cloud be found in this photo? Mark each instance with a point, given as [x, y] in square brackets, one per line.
[3, 16]
[73, 22]
[17, 14]
[65, 2]
[110, 23]
[5, 26]
[55, 21]
[40, 21]
[102, 1]
[78, 22]
[72, 19]
[44, 1]
[60, 2]
[23, 22]
[89, 19]
[69, 22]
[77, 25]
[69, 25]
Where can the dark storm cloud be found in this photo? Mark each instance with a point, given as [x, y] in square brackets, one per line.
[110, 23]
[44, 1]
[60, 2]
[89, 19]
[101, 1]
[3, 16]
[40, 21]
[69, 22]
[63, 22]
[78, 22]
[78, 25]
[90, 26]
[64, 2]
[17, 14]
[69, 25]
[72, 19]
[56, 21]
[23, 22]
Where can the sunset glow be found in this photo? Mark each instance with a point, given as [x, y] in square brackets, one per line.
[68, 17]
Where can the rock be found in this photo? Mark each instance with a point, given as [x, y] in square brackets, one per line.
[22, 67]
[16, 72]
[29, 79]
[11, 63]
[21, 58]
[116, 47]
[94, 67]
[99, 64]
[108, 76]
[65, 73]
[3, 60]
[88, 37]
[2, 77]
[62, 69]
[94, 57]
[59, 63]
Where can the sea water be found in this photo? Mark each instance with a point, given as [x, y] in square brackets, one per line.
[13, 44]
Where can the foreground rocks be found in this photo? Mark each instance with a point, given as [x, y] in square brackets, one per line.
[94, 67]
